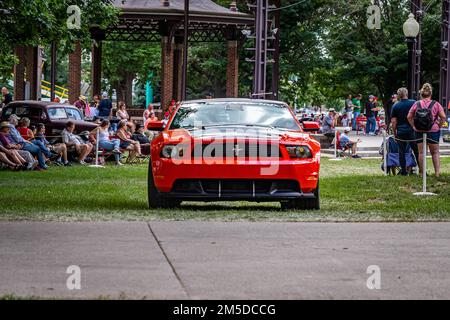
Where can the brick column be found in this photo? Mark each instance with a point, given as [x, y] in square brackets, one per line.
[19, 74]
[232, 70]
[32, 72]
[75, 73]
[166, 72]
[96, 70]
[178, 70]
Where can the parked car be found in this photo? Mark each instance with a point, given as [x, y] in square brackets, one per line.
[53, 115]
[234, 149]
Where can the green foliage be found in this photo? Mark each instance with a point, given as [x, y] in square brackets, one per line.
[40, 22]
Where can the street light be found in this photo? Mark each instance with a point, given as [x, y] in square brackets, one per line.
[411, 29]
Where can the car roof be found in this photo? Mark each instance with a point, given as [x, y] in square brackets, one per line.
[43, 104]
[235, 100]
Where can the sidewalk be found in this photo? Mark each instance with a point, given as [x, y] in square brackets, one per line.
[217, 260]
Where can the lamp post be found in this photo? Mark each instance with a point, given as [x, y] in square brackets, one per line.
[411, 29]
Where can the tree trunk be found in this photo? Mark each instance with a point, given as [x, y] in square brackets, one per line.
[124, 89]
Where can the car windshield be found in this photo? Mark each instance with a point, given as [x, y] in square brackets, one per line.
[74, 113]
[57, 113]
[215, 114]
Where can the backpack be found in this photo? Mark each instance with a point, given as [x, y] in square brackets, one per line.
[423, 117]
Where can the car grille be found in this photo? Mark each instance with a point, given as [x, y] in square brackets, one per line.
[235, 186]
[237, 150]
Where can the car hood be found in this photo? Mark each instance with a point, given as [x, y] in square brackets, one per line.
[244, 133]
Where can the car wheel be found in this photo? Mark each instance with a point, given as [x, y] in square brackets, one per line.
[155, 198]
[303, 204]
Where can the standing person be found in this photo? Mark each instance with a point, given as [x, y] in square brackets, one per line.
[70, 139]
[82, 105]
[427, 116]
[402, 129]
[7, 97]
[105, 107]
[349, 108]
[356, 109]
[388, 109]
[94, 105]
[104, 142]
[371, 109]
[152, 118]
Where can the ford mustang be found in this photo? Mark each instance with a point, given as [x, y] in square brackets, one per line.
[234, 149]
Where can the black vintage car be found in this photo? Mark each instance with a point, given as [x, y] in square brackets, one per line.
[53, 115]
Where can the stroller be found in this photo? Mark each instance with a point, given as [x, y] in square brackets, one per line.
[393, 157]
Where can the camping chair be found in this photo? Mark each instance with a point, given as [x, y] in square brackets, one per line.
[393, 157]
[361, 124]
[341, 151]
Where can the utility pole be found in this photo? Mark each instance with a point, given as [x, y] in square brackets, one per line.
[417, 10]
[185, 49]
[444, 92]
[260, 72]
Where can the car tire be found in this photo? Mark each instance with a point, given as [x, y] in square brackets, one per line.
[155, 199]
[303, 204]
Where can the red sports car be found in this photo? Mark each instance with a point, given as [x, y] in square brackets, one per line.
[234, 149]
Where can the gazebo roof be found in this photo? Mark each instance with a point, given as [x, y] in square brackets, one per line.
[204, 7]
[143, 20]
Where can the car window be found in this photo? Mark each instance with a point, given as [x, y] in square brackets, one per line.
[7, 112]
[73, 114]
[57, 113]
[22, 111]
[234, 113]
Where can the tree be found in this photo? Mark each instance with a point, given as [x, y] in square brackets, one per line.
[39, 22]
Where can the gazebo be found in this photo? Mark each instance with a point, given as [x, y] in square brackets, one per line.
[163, 21]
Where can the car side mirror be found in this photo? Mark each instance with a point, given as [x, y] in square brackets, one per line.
[156, 126]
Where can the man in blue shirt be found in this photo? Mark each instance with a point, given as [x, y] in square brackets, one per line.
[402, 129]
[105, 106]
[17, 139]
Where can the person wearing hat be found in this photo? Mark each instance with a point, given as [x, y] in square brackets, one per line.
[347, 143]
[11, 157]
[371, 109]
[139, 136]
[82, 105]
[19, 143]
[328, 124]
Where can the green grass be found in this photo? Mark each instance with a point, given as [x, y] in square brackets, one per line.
[351, 190]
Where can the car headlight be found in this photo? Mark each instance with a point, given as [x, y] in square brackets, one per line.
[302, 152]
[172, 151]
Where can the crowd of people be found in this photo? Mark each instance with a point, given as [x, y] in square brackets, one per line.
[25, 147]
[401, 116]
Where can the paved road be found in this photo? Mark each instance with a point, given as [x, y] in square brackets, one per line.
[215, 260]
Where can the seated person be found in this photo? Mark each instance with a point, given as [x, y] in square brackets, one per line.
[328, 124]
[144, 141]
[346, 143]
[28, 135]
[127, 143]
[59, 149]
[104, 142]
[20, 143]
[12, 152]
[70, 139]
[152, 118]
